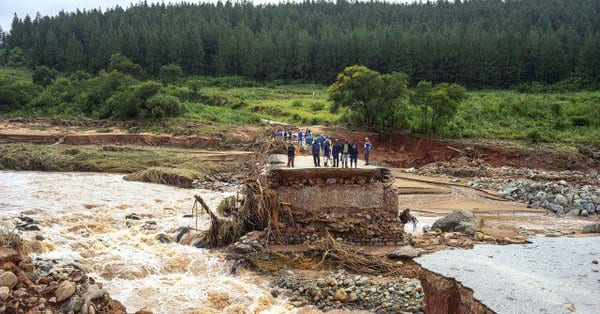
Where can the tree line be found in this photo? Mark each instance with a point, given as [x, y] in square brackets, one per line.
[477, 43]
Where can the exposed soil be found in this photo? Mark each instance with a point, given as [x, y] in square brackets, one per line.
[405, 151]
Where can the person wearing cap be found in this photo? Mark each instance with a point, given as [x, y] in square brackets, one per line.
[368, 147]
[336, 150]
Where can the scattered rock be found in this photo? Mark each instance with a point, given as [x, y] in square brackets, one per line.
[340, 295]
[4, 293]
[459, 220]
[592, 228]
[8, 279]
[133, 216]
[163, 238]
[274, 293]
[64, 290]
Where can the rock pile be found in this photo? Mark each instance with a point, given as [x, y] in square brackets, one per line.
[557, 196]
[341, 290]
[47, 287]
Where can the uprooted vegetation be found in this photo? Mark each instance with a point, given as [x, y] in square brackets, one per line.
[11, 239]
[183, 178]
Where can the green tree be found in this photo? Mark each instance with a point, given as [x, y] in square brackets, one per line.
[44, 76]
[119, 62]
[375, 100]
[170, 73]
[74, 55]
[437, 103]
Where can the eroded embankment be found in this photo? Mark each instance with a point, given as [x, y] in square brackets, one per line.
[446, 295]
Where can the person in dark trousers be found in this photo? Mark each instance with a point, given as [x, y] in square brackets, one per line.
[345, 153]
[336, 150]
[316, 151]
[326, 151]
[353, 154]
[368, 147]
[291, 154]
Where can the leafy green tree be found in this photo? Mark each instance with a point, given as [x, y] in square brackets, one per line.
[437, 103]
[356, 88]
[170, 73]
[119, 62]
[375, 100]
[44, 76]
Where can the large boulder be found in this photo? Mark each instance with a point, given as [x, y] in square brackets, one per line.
[8, 279]
[459, 220]
[64, 291]
[593, 228]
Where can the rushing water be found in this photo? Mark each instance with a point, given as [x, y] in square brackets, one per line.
[82, 218]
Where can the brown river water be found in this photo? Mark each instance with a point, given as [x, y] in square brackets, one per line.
[82, 218]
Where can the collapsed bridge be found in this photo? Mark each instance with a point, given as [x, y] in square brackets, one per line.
[354, 205]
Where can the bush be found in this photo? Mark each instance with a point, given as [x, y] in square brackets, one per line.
[317, 106]
[533, 135]
[44, 76]
[297, 103]
[170, 73]
[160, 106]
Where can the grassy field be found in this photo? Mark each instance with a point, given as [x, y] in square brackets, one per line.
[569, 117]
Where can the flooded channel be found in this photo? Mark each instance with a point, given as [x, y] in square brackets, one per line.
[82, 219]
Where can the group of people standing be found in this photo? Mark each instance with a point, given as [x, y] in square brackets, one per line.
[334, 152]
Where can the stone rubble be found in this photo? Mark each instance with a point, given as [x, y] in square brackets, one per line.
[562, 192]
[345, 291]
[46, 286]
[559, 196]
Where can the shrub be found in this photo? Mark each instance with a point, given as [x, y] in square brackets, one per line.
[580, 121]
[297, 103]
[44, 76]
[533, 135]
[170, 73]
[160, 106]
[317, 106]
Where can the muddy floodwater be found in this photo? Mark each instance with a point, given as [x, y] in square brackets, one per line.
[82, 218]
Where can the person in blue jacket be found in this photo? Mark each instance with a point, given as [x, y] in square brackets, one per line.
[309, 139]
[300, 135]
[316, 152]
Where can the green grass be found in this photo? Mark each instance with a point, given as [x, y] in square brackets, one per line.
[571, 117]
[298, 104]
